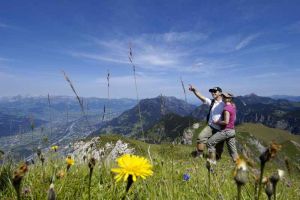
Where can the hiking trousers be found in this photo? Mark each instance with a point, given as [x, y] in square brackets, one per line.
[207, 133]
[227, 135]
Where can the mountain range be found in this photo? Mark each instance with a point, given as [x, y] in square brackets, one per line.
[15, 111]
[164, 119]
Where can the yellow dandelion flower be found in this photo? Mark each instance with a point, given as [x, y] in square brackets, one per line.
[70, 161]
[132, 165]
[54, 148]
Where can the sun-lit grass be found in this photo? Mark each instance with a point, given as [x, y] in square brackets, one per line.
[170, 163]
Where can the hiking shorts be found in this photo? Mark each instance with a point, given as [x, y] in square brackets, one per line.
[206, 133]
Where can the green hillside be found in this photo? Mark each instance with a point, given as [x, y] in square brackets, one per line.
[267, 134]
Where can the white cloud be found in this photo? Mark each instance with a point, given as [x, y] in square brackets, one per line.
[246, 41]
[147, 55]
[176, 37]
[99, 57]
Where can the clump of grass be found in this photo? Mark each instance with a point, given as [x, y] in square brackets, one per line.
[5, 175]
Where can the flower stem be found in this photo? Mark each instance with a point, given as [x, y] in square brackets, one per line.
[262, 167]
[129, 184]
[239, 189]
[90, 180]
[274, 188]
[208, 181]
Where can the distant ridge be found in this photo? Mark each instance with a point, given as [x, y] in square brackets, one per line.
[287, 97]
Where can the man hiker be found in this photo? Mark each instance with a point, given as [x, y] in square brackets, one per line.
[216, 106]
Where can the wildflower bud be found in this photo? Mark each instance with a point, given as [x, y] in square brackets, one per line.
[92, 163]
[241, 177]
[241, 172]
[42, 158]
[269, 189]
[17, 178]
[51, 193]
[277, 176]
[60, 174]
[269, 153]
[38, 152]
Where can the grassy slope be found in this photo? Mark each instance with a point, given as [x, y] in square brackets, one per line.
[267, 134]
[290, 143]
[170, 163]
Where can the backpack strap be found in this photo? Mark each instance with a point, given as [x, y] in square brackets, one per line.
[210, 107]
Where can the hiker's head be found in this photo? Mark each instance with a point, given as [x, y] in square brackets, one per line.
[227, 97]
[216, 92]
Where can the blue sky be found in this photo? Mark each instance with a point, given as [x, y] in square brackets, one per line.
[242, 46]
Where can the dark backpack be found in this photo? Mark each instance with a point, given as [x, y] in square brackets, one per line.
[210, 107]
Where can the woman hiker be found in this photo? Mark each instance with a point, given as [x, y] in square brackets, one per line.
[227, 133]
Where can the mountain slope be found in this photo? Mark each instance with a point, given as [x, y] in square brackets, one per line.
[152, 111]
[169, 128]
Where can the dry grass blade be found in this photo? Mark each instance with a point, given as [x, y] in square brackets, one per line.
[182, 84]
[73, 89]
[80, 101]
[130, 56]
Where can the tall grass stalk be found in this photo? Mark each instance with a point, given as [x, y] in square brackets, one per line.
[184, 92]
[108, 101]
[130, 56]
[50, 115]
[80, 101]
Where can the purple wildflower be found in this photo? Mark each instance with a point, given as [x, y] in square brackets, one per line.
[186, 177]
